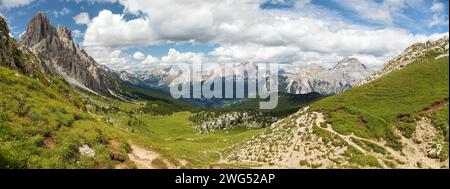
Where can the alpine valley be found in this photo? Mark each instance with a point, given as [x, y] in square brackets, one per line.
[59, 108]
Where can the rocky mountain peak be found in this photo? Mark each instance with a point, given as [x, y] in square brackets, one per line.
[56, 47]
[347, 63]
[38, 29]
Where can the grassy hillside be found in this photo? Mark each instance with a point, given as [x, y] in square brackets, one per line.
[43, 126]
[394, 101]
[286, 101]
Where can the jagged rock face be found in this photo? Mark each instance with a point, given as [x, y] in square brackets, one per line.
[315, 78]
[57, 49]
[410, 55]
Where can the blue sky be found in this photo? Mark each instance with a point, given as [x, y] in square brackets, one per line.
[245, 30]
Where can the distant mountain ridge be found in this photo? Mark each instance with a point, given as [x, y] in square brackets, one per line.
[313, 78]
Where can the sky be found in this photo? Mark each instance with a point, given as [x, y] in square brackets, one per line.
[137, 34]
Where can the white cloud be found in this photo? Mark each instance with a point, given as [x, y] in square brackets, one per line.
[150, 60]
[82, 18]
[142, 59]
[245, 32]
[113, 58]
[112, 30]
[139, 56]
[175, 57]
[437, 20]
[64, 11]
[383, 11]
[256, 53]
[437, 6]
[14, 3]
[439, 17]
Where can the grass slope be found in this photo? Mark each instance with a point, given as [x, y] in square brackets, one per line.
[43, 126]
[375, 109]
[286, 101]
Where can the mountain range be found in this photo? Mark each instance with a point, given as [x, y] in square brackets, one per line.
[313, 78]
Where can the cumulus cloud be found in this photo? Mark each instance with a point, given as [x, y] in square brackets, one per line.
[112, 30]
[150, 60]
[115, 59]
[176, 57]
[82, 18]
[245, 32]
[139, 56]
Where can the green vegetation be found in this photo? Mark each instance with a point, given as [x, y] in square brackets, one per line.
[369, 146]
[373, 110]
[406, 124]
[328, 137]
[356, 158]
[156, 97]
[286, 102]
[174, 137]
[346, 123]
[42, 127]
[440, 119]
